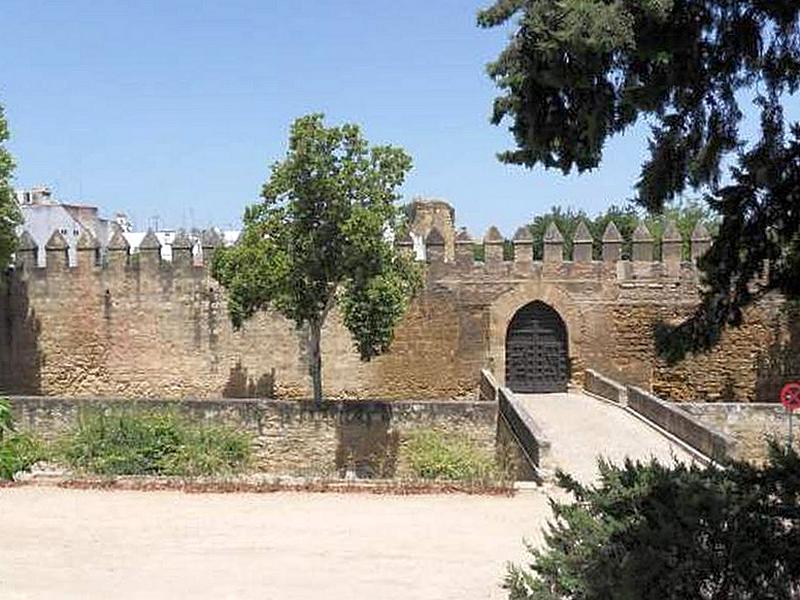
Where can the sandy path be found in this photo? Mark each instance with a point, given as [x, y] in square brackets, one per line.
[581, 428]
[94, 544]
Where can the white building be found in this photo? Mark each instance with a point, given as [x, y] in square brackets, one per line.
[42, 215]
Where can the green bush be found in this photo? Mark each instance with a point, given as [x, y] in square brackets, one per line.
[6, 417]
[18, 451]
[153, 443]
[649, 531]
[434, 455]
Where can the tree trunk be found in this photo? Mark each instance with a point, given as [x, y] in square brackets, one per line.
[315, 360]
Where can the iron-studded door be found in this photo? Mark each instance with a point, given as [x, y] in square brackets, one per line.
[536, 351]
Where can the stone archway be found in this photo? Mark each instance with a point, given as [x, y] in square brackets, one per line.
[537, 353]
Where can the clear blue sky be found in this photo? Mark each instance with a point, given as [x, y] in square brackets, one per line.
[177, 108]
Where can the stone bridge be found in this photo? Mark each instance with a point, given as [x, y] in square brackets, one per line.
[571, 430]
[582, 428]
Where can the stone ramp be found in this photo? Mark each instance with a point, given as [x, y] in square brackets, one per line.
[581, 428]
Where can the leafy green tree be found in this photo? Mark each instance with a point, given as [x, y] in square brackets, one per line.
[10, 216]
[322, 237]
[577, 72]
[649, 531]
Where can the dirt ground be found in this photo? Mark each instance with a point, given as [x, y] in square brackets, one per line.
[66, 544]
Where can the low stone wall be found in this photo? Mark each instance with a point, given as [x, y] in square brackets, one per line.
[753, 425]
[602, 386]
[668, 416]
[297, 437]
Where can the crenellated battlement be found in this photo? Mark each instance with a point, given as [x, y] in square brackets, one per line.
[515, 257]
[503, 258]
[117, 257]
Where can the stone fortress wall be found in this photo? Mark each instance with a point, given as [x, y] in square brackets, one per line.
[138, 326]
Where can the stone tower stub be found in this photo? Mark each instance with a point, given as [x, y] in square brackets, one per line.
[671, 243]
[523, 246]
[57, 251]
[182, 250]
[701, 241]
[425, 214]
[582, 243]
[642, 244]
[553, 244]
[464, 252]
[493, 246]
[612, 243]
[27, 251]
[88, 251]
[118, 250]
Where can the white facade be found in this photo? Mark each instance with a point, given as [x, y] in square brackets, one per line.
[42, 215]
[41, 220]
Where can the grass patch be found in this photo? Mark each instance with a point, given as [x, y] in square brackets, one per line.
[18, 451]
[437, 456]
[153, 443]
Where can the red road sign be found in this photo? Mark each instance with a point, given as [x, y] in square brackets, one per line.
[790, 396]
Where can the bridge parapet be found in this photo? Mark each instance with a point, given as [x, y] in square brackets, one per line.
[602, 386]
[487, 388]
[528, 435]
[710, 442]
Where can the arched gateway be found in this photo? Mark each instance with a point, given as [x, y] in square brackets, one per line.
[536, 350]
